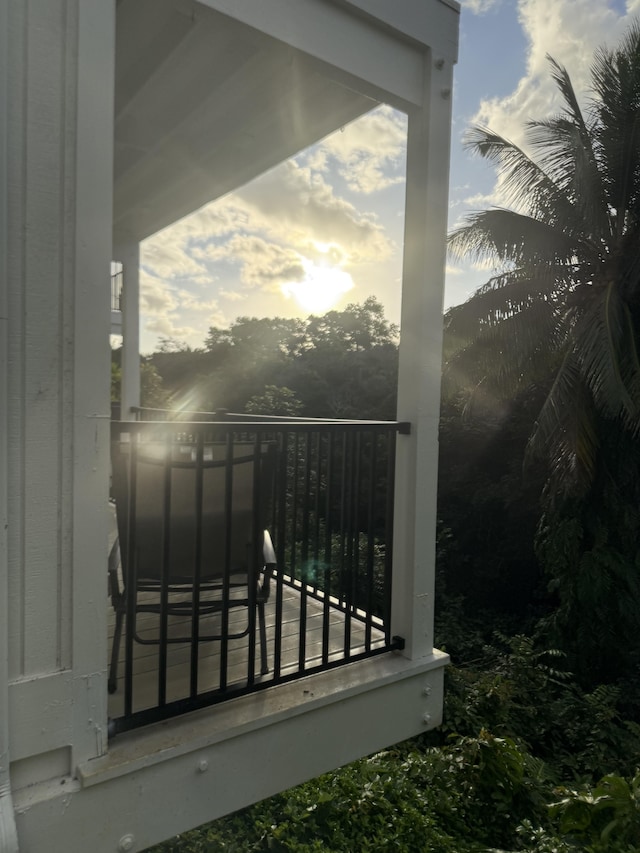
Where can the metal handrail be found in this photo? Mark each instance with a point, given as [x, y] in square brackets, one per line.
[147, 414]
[331, 516]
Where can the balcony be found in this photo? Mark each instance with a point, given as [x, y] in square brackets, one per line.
[327, 499]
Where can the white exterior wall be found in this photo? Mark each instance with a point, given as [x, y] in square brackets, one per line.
[58, 171]
[70, 790]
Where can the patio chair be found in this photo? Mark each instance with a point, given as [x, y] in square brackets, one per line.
[192, 539]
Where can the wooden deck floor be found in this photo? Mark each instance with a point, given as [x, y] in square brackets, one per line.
[146, 657]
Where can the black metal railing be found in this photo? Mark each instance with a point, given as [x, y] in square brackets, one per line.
[324, 491]
[116, 290]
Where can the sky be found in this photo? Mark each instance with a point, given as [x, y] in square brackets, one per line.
[325, 228]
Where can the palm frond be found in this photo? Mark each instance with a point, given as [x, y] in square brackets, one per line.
[524, 182]
[608, 356]
[511, 353]
[515, 238]
[616, 84]
[565, 432]
[566, 295]
[566, 153]
[499, 298]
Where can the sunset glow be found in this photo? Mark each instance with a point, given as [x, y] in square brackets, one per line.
[321, 288]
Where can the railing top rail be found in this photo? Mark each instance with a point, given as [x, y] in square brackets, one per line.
[258, 426]
[222, 416]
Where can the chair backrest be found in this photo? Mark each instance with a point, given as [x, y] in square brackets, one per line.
[188, 511]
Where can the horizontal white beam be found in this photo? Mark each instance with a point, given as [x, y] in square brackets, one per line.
[165, 779]
[354, 44]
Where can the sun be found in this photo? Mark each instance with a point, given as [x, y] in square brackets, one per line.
[320, 289]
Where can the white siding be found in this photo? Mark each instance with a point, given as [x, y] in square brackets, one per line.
[58, 246]
[40, 275]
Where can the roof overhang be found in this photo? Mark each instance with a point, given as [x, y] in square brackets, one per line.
[210, 94]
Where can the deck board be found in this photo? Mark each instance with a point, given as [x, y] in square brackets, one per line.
[145, 657]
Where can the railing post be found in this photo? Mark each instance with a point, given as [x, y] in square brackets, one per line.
[129, 256]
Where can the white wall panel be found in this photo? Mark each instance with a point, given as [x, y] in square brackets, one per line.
[59, 130]
[40, 370]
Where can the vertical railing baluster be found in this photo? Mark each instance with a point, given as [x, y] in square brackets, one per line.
[226, 581]
[281, 535]
[345, 507]
[316, 509]
[131, 580]
[304, 552]
[164, 570]
[353, 538]
[197, 580]
[370, 578]
[328, 556]
[254, 556]
[294, 503]
[388, 549]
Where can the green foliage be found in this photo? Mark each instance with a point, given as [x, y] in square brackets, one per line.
[274, 401]
[116, 379]
[382, 803]
[606, 818]
[516, 724]
[590, 551]
[343, 364]
[521, 691]
[152, 392]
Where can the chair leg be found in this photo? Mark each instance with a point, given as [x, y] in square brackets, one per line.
[264, 668]
[112, 684]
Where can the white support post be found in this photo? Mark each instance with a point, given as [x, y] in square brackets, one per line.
[428, 144]
[8, 834]
[92, 252]
[129, 257]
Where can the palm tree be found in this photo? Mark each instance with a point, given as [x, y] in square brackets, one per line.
[564, 305]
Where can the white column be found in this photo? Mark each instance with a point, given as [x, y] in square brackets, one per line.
[420, 360]
[129, 256]
[8, 835]
[88, 469]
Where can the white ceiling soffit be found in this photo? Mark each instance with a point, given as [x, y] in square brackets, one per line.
[204, 104]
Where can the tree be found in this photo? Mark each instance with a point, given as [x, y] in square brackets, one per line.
[152, 392]
[562, 314]
[275, 400]
[358, 327]
[566, 302]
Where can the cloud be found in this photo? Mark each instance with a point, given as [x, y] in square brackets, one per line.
[370, 151]
[189, 301]
[258, 240]
[262, 263]
[567, 30]
[480, 7]
[165, 256]
[166, 311]
[165, 327]
[232, 295]
[156, 297]
[296, 206]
